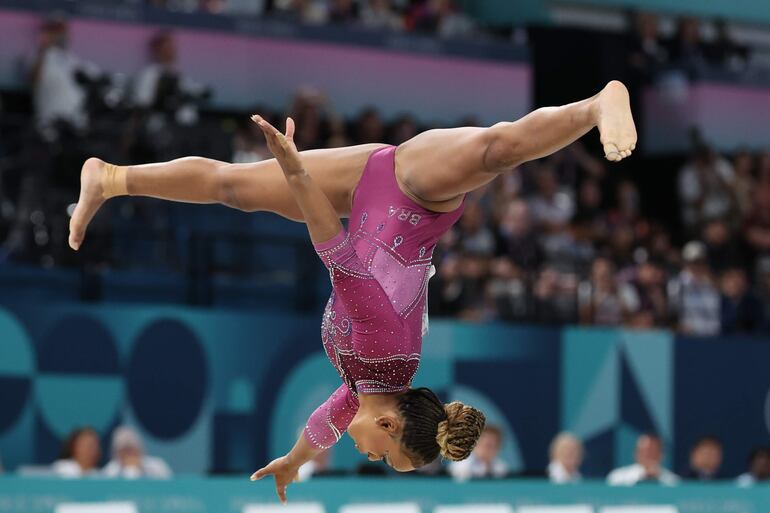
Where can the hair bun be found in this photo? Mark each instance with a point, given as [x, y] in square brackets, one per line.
[458, 434]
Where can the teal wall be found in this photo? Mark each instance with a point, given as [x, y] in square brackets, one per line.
[222, 391]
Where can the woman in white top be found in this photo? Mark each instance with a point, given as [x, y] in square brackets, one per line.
[80, 455]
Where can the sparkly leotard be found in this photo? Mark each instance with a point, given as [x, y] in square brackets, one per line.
[373, 323]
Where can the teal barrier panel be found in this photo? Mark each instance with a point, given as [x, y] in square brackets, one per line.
[753, 11]
[231, 495]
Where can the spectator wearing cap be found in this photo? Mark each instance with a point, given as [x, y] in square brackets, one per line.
[129, 460]
[648, 466]
[566, 458]
[705, 459]
[694, 295]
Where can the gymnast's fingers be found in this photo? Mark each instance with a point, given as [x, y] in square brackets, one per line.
[259, 474]
[290, 129]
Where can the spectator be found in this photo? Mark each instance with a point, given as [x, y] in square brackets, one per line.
[757, 228]
[742, 311]
[403, 129]
[445, 294]
[474, 269]
[310, 12]
[516, 238]
[724, 52]
[380, 14]
[722, 249]
[645, 294]
[759, 468]
[705, 185]
[129, 460]
[590, 218]
[518, 256]
[693, 294]
[762, 280]
[440, 17]
[484, 462]
[249, 143]
[686, 49]
[369, 127]
[554, 293]
[600, 300]
[647, 55]
[475, 234]
[244, 7]
[80, 455]
[163, 89]
[552, 209]
[57, 95]
[648, 466]
[744, 182]
[705, 459]
[566, 458]
[342, 11]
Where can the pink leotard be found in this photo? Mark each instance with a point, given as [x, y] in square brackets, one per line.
[373, 323]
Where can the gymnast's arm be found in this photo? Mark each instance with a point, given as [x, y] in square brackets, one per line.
[321, 218]
[324, 428]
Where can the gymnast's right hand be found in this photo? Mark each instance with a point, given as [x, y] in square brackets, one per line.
[282, 146]
[284, 473]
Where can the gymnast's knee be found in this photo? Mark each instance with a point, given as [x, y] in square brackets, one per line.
[502, 145]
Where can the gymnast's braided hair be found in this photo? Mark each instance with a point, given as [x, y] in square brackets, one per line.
[432, 428]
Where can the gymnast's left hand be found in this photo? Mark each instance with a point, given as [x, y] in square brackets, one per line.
[282, 146]
[284, 473]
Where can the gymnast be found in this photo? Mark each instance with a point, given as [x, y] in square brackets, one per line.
[399, 201]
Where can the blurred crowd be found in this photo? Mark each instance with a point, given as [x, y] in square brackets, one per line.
[559, 240]
[81, 457]
[444, 18]
[563, 241]
[653, 56]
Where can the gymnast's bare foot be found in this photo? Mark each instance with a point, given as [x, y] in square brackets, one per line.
[615, 121]
[91, 198]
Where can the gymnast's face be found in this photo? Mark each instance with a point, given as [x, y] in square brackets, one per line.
[379, 438]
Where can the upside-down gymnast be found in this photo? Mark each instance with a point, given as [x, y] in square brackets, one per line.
[400, 200]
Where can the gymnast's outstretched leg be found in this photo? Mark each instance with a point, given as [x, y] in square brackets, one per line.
[260, 186]
[438, 167]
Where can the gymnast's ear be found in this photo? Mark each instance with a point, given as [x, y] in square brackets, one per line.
[389, 423]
